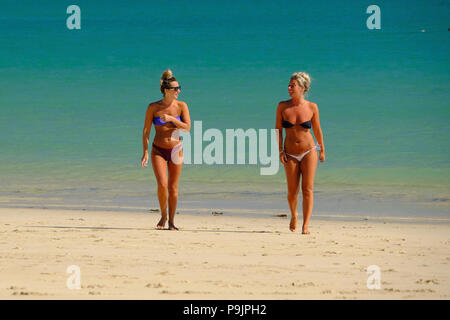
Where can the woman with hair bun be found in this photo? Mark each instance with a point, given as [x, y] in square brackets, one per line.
[297, 116]
[168, 115]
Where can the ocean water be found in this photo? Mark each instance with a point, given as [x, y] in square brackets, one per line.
[72, 102]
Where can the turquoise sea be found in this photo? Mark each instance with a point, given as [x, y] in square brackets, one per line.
[72, 102]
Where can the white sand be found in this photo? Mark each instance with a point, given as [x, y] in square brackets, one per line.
[122, 256]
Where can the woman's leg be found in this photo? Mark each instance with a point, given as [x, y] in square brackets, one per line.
[174, 176]
[308, 166]
[292, 169]
[160, 169]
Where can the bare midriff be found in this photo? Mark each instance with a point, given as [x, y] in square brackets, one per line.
[298, 140]
[163, 136]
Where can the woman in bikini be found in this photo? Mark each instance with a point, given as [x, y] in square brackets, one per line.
[168, 115]
[298, 156]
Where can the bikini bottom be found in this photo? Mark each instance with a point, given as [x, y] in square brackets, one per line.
[301, 156]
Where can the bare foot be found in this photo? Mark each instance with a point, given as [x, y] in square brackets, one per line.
[305, 230]
[161, 223]
[172, 226]
[293, 224]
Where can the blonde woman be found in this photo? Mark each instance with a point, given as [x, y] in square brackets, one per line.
[168, 115]
[298, 154]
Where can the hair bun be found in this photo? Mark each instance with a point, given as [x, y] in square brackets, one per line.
[167, 75]
[166, 78]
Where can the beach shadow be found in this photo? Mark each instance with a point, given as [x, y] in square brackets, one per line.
[226, 231]
[91, 228]
[154, 229]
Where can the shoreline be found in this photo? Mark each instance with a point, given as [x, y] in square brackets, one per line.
[347, 201]
[233, 212]
[123, 256]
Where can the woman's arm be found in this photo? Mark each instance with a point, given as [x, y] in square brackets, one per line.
[279, 127]
[146, 135]
[318, 131]
[185, 124]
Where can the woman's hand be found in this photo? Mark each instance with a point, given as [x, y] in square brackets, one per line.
[322, 156]
[283, 157]
[144, 160]
[166, 117]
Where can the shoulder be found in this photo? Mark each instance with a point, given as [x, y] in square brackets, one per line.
[313, 106]
[153, 105]
[283, 104]
[182, 105]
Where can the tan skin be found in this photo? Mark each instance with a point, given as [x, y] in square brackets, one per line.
[299, 140]
[168, 109]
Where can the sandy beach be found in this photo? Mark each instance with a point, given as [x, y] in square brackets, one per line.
[122, 256]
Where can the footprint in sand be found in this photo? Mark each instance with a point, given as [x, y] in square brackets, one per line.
[28, 293]
[304, 284]
[16, 288]
[155, 285]
[93, 286]
[196, 292]
[432, 281]
[348, 292]
[168, 292]
[424, 290]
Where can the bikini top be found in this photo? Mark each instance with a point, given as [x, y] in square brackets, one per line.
[306, 124]
[158, 122]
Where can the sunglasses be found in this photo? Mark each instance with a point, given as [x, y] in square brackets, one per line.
[175, 88]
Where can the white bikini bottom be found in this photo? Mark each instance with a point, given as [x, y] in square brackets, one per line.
[301, 156]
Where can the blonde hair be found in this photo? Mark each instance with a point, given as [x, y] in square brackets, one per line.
[303, 79]
[166, 78]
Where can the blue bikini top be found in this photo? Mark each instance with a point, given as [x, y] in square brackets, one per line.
[158, 122]
[306, 124]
